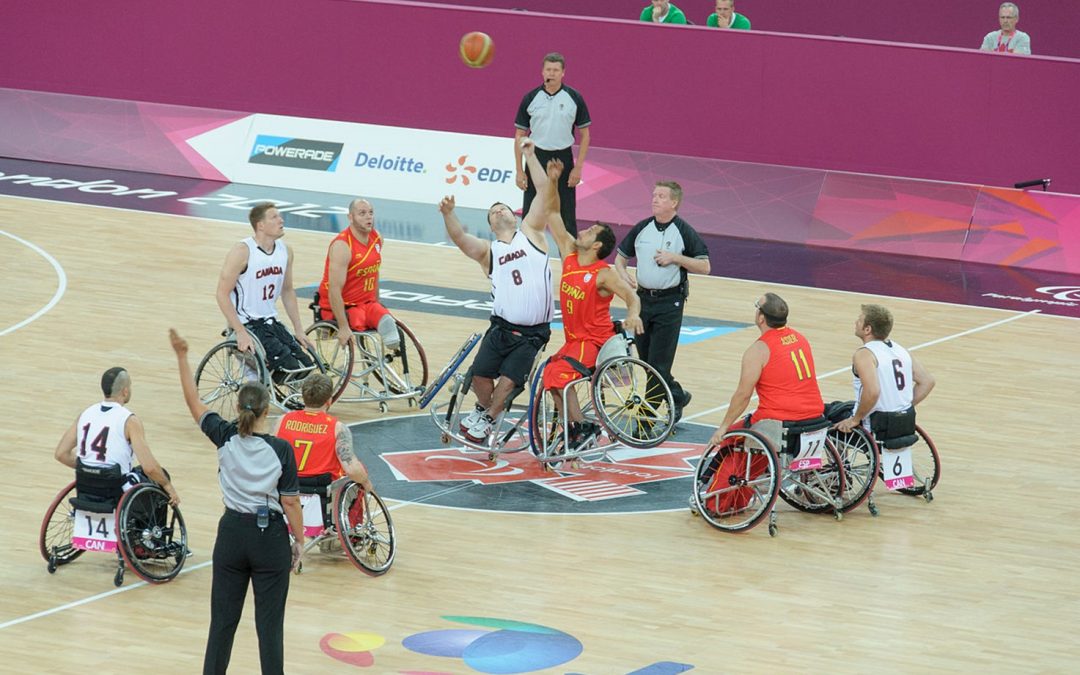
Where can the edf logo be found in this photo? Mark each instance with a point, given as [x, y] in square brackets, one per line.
[468, 173]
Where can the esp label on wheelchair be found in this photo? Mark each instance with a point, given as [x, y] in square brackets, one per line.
[94, 531]
[811, 450]
[897, 468]
[313, 515]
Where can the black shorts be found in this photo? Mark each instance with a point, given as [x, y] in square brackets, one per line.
[282, 349]
[508, 350]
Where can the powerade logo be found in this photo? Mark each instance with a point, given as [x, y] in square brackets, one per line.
[393, 163]
[296, 153]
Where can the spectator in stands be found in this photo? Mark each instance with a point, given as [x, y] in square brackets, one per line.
[725, 16]
[662, 11]
[1008, 39]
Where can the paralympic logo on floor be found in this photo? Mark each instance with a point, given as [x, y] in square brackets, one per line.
[491, 645]
[626, 480]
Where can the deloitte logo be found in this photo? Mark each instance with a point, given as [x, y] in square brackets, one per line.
[412, 465]
[392, 163]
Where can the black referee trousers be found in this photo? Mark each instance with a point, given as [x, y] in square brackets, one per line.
[567, 194]
[661, 317]
[243, 552]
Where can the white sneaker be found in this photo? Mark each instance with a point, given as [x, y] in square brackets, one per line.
[478, 433]
[472, 418]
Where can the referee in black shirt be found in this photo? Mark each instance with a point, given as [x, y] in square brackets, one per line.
[667, 249]
[260, 489]
[549, 115]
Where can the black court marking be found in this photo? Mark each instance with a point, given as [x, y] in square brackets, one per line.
[477, 305]
[407, 462]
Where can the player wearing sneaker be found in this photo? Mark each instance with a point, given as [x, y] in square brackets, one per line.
[518, 266]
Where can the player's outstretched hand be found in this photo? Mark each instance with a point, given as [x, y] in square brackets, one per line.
[179, 344]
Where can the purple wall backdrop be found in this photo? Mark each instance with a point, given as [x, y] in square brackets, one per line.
[937, 113]
[1052, 24]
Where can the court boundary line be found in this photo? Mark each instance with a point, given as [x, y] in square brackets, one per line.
[450, 245]
[61, 286]
[403, 503]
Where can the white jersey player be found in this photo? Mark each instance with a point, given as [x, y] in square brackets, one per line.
[887, 377]
[517, 264]
[107, 433]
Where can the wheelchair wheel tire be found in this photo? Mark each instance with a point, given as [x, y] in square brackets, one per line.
[807, 490]
[409, 367]
[927, 464]
[151, 534]
[336, 361]
[449, 369]
[365, 529]
[54, 540]
[222, 372]
[624, 406]
[737, 481]
[862, 464]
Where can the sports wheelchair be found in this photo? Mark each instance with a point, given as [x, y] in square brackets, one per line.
[620, 406]
[225, 369]
[94, 513]
[863, 456]
[738, 480]
[340, 515]
[364, 370]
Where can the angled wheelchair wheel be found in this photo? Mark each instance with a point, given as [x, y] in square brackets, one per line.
[737, 481]
[151, 534]
[365, 529]
[632, 402]
[54, 540]
[449, 369]
[222, 372]
[862, 462]
[406, 369]
[337, 361]
[816, 490]
[926, 463]
[545, 422]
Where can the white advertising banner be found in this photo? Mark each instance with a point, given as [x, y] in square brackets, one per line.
[347, 158]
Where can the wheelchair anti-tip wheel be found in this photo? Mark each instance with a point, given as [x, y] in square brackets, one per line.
[151, 534]
[365, 529]
[737, 481]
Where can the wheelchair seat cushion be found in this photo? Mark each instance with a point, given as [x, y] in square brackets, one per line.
[838, 411]
[318, 484]
[900, 442]
[93, 503]
[99, 485]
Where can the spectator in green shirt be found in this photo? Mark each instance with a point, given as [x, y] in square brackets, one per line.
[662, 11]
[726, 17]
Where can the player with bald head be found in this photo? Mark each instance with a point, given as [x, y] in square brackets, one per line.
[349, 292]
[108, 434]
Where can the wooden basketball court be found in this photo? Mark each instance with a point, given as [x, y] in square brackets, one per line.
[982, 578]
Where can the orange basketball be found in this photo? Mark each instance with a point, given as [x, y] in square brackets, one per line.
[476, 49]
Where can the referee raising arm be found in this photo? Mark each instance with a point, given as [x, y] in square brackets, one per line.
[260, 489]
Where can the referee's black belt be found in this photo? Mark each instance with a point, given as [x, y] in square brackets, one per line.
[659, 292]
[274, 515]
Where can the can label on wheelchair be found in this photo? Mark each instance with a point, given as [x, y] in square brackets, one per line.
[94, 531]
[811, 449]
[897, 468]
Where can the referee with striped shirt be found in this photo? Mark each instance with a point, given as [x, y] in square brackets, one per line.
[667, 249]
[549, 115]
